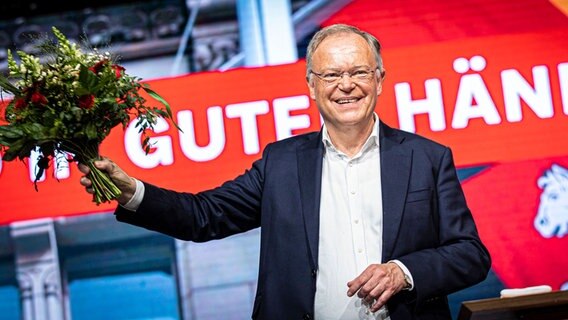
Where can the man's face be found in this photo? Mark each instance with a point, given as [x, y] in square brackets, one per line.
[348, 102]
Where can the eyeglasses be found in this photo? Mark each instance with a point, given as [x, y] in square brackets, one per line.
[359, 75]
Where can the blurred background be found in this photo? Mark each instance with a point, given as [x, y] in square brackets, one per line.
[487, 78]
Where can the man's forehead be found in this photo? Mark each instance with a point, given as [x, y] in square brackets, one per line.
[343, 40]
[344, 45]
[345, 36]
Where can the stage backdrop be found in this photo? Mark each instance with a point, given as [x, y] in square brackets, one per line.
[488, 79]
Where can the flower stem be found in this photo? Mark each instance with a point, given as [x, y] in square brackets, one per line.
[87, 152]
[104, 188]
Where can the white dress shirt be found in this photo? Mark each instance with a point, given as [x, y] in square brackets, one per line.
[351, 228]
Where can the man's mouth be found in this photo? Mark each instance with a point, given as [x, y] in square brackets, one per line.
[346, 100]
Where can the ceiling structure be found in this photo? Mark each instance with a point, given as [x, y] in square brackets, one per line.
[144, 29]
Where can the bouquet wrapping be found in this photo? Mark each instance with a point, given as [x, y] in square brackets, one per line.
[69, 104]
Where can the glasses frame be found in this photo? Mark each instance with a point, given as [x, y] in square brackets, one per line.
[350, 74]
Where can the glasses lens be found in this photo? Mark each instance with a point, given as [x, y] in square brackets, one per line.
[361, 75]
[357, 76]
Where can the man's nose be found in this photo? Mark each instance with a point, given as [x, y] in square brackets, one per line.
[346, 82]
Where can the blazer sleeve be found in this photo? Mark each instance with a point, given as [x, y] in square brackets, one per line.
[232, 208]
[460, 259]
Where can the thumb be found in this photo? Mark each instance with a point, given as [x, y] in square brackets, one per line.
[104, 165]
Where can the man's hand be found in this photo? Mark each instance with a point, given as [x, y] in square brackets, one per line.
[125, 183]
[378, 283]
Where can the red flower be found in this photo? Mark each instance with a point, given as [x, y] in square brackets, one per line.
[98, 66]
[86, 101]
[117, 70]
[38, 98]
[20, 103]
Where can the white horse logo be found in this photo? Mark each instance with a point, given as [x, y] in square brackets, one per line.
[552, 217]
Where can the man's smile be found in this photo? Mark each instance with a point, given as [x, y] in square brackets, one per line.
[347, 100]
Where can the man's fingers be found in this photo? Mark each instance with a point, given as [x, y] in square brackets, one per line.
[371, 284]
[125, 184]
[105, 165]
[374, 290]
[353, 287]
[83, 168]
[376, 285]
[355, 284]
[381, 300]
[85, 182]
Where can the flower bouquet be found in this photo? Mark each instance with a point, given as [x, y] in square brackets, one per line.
[69, 104]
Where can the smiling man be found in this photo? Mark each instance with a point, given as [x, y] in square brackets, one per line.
[358, 221]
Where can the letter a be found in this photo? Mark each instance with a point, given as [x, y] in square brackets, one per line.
[472, 88]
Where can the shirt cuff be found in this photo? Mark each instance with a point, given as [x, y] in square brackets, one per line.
[406, 272]
[136, 200]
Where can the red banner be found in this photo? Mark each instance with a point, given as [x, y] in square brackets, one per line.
[520, 210]
[492, 99]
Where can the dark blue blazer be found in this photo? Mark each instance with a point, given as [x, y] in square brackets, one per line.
[426, 223]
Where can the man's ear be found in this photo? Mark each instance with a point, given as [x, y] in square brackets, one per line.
[311, 88]
[380, 80]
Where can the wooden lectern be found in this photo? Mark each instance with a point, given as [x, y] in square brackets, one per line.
[544, 306]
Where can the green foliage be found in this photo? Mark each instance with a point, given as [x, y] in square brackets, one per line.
[70, 104]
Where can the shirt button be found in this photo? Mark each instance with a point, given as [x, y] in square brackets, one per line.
[351, 164]
[307, 316]
[356, 221]
[314, 273]
[360, 250]
[353, 192]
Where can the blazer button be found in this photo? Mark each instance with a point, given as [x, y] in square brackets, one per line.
[307, 316]
[314, 273]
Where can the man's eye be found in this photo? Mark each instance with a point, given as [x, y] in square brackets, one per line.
[361, 74]
[331, 76]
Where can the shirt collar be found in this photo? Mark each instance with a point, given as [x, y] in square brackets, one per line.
[372, 140]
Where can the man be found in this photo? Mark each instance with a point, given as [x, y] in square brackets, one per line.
[358, 221]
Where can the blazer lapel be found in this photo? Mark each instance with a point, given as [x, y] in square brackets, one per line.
[395, 174]
[309, 159]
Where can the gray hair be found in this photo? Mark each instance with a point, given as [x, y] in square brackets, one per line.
[322, 34]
